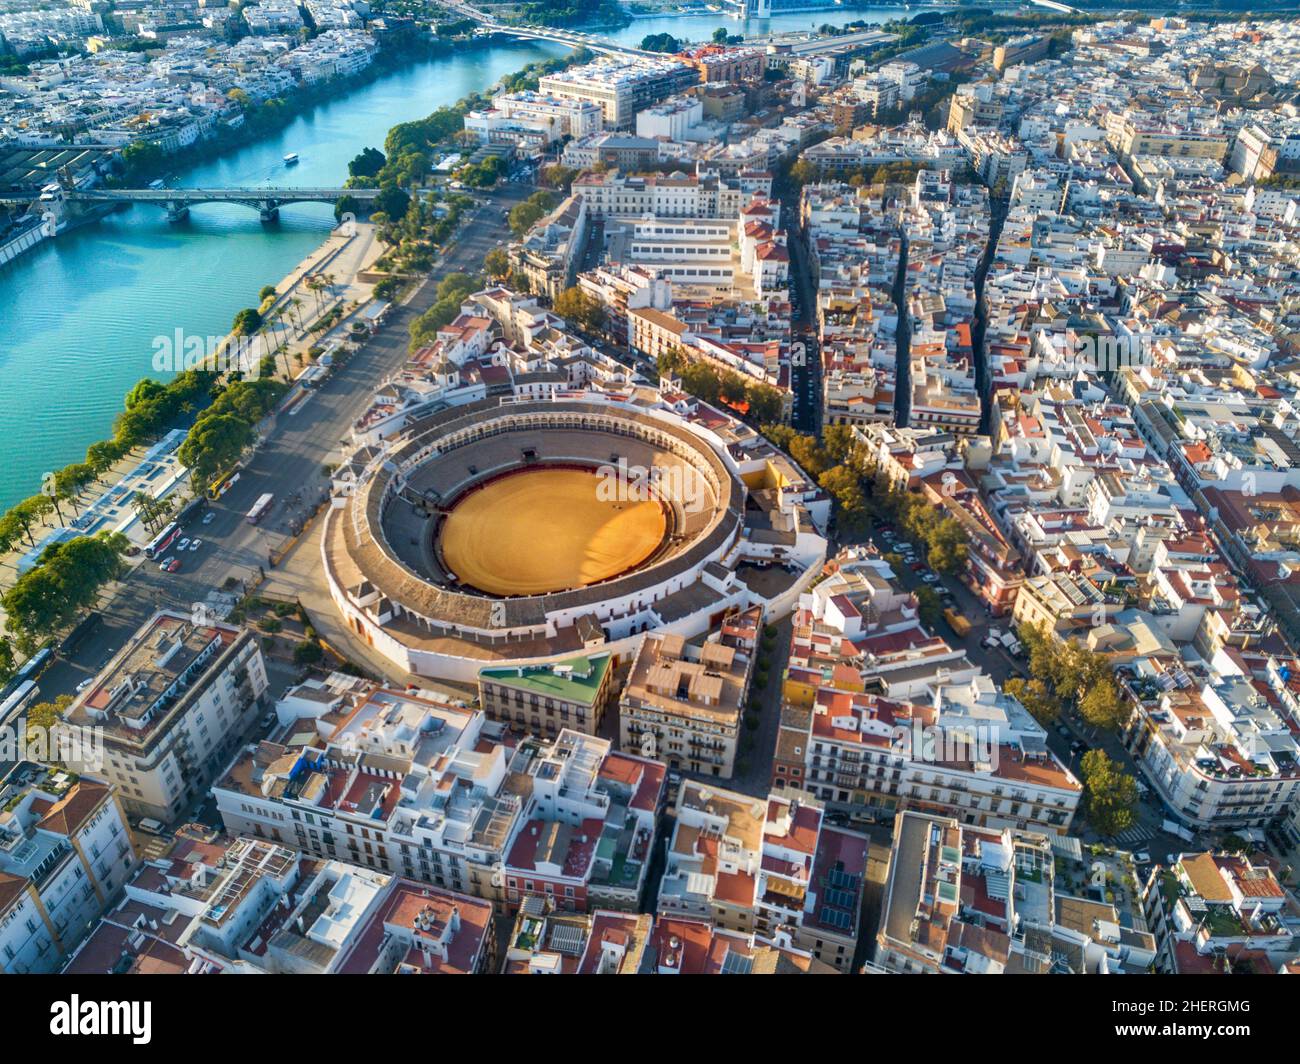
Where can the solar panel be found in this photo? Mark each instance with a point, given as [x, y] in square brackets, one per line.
[835, 918]
[839, 878]
[737, 963]
[567, 939]
[841, 899]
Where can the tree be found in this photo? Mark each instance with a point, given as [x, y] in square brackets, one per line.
[947, 547]
[214, 443]
[845, 488]
[71, 479]
[802, 172]
[584, 310]
[102, 456]
[392, 201]
[660, 42]
[1103, 705]
[142, 158]
[247, 322]
[367, 163]
[557, 176]
[47, 715]
[8, 660]
[307, 652]
[765, 402]
[523, 216]
[928, 606]
[1110, 794]
[497, 263]
[1034, 695]
[65, 581]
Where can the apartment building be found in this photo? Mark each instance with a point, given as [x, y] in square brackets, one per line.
[968, 900]
[546, 699]
[622, 289]
[550, 941]
[1134, 135]
[614, 194]
[719, 63]
[683, 704]
[620, 86]
[680, 946]
[973, 752]
[575, 118]
[170, 706]
[589, 829]
[248, 906]
[65, 851]
[405, 784]
[1220, 754]
[974, 106]
[1221, 913]
[769, 867]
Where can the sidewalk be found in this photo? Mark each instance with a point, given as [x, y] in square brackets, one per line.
[297, 578]
[342, 258]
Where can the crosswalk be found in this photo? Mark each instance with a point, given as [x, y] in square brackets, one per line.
[1133, 836]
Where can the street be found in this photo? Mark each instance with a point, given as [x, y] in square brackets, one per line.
[289, 463]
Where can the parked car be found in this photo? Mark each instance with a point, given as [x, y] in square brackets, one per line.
[209, 517]
[150, 826]
[183, 544]
[85, 683]
[1142, 857]
[162, 565]
[196, 544]
[175, 566]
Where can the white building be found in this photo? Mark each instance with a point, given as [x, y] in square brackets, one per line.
[169, 706]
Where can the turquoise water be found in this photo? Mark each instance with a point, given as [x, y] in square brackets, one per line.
[79, 315]
[701, 27]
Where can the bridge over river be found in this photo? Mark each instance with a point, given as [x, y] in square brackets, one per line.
[177, 201]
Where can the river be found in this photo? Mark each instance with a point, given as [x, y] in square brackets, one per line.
[79, 315]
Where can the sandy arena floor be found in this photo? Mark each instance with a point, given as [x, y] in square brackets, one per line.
[544, 530]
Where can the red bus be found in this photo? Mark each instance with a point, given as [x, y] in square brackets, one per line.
[162, 541]
[259, 508]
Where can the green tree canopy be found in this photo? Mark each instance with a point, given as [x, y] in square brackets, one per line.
[1110, 794]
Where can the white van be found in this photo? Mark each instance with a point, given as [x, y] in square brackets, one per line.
[150, 826]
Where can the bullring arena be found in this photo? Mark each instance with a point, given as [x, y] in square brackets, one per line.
[524, 530]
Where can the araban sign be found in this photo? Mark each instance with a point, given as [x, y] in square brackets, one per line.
[77, 1017]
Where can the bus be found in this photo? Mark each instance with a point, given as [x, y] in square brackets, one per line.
[223, 484]
[18, 699]
[259, 508]
[33, 666]
[163, 540]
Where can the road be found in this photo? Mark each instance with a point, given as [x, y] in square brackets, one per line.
[805, 360]
[902, 341]
[290, 463]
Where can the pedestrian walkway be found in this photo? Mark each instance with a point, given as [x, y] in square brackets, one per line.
[1134, 836]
